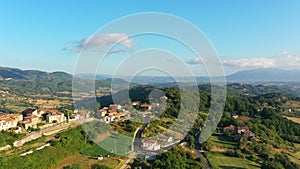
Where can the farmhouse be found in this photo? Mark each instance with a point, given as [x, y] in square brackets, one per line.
[9, 121]
[151, 145]
[145, 107]
[30, 121]
[229, 129]
[54, 116]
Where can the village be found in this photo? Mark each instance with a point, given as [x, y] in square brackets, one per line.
[116, 112]
[32, 119]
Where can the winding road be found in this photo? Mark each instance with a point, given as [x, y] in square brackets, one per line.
[200, 154]
[138, 150]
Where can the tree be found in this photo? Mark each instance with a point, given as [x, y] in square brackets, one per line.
[270, 164]
[191, 140]
[98, 105]
[243, 142]
[239, 153]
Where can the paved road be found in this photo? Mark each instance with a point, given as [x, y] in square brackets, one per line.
[199, 154]
[137, 141]
[203, 159]
[125, 164]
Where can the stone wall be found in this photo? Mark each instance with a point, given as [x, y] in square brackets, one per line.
[27, 138]
[5, 147]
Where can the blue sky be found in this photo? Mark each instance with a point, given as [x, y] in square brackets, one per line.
[246, 34]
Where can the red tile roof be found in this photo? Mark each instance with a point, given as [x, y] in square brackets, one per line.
[229, 128]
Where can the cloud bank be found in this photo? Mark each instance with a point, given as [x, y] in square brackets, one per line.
[102, 42]
[284, 60]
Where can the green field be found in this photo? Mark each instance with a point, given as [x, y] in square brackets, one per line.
[222, 140]
[117, 143]
[96, 151]
[226, 162]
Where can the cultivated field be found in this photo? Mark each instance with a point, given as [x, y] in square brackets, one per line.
[294, 119]
[226, 162]
[224, 141]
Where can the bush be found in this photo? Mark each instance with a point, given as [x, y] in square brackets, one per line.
[9, 137]
[239, 153]
[74, 166]
[97, 166]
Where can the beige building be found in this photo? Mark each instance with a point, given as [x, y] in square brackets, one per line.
[55, 116]
[9, 121]
[30, 121]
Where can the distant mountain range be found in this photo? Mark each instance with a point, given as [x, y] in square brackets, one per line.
[255, 75]
[19, 74]
[266, 75]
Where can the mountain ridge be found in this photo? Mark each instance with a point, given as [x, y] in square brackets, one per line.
[253, 75]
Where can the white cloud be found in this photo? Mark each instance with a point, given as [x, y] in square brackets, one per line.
[284, 61]
[102, 42]
[202, 60]
[195, 60]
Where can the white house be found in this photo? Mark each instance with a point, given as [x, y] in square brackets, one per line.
[109, 119]
[54, 115]
[9, 121]
[151, 145]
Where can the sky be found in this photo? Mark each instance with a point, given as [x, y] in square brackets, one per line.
[246, 34]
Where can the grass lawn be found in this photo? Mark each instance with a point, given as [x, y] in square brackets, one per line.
[222, 140]
[87, 161]
[226, 162]
[117, 144]
[96, 151]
